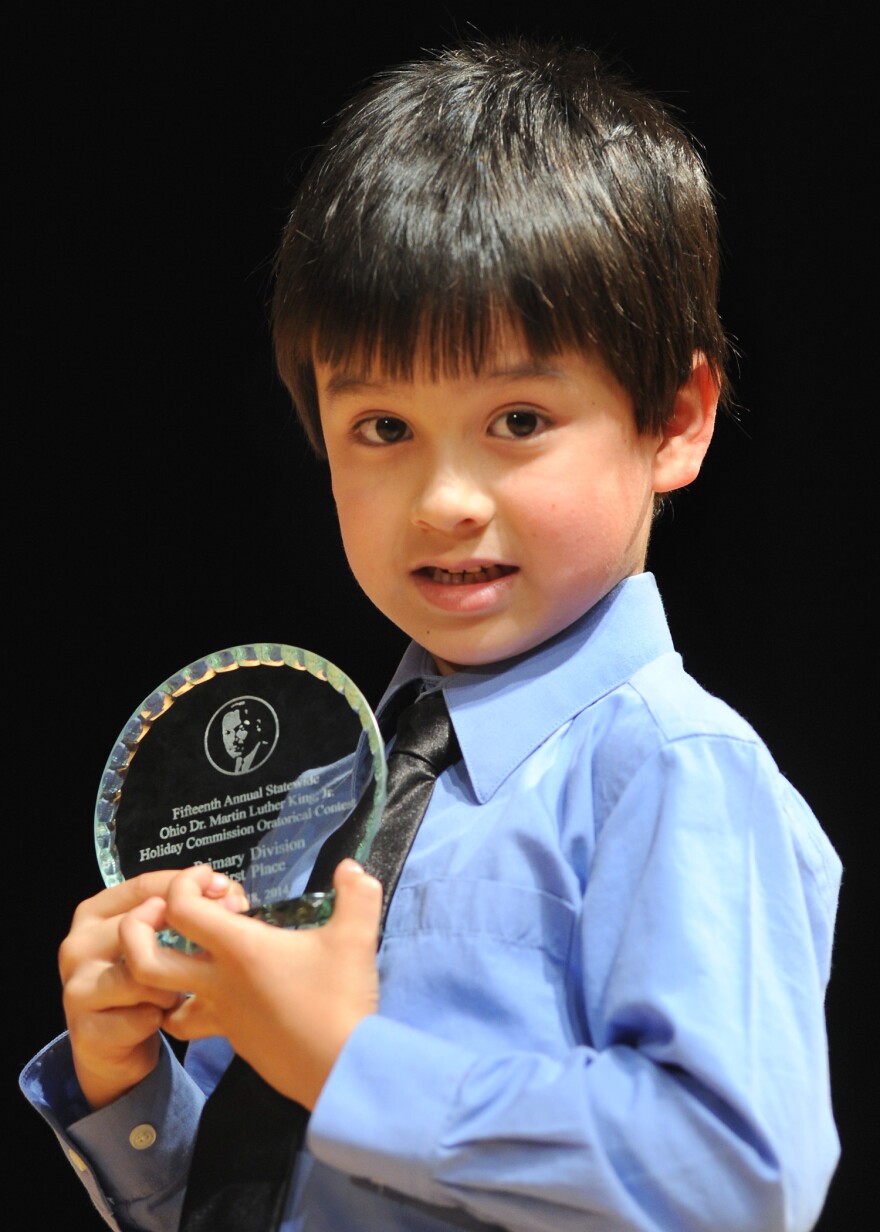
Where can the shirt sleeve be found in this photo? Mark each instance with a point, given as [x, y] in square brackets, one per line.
[132, 1156]
[698, 1096]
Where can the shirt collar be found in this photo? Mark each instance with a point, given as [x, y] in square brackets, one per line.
[498, 726]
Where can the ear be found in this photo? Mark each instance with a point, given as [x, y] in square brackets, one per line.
[687, 432]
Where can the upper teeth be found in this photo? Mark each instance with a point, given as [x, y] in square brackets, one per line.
[449, 576]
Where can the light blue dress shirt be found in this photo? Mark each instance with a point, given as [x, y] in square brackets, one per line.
[602, 979]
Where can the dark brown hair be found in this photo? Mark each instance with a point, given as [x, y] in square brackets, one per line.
[494, 185]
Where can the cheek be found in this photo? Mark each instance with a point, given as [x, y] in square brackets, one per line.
[352, 505]
[588, 523]
[363, 529]
[355, 533]
[553, 510]
[361, 494]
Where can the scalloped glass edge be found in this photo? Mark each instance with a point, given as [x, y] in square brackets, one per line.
[308, 911]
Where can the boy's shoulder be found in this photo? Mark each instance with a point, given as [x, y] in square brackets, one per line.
[680, 707]
[663, 738]
[658, 709]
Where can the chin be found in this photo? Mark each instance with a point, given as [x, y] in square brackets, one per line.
[455, 659]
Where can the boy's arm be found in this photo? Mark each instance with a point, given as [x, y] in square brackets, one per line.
[121, 1106]
[132, 1156]
[287, 1000]
[699, 1095]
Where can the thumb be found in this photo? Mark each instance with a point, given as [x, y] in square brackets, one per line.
[358, 905]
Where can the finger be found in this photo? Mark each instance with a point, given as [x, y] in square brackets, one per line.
[150, 963]
[217, 885]
[190, 1020]
[192, 909]
[98, 942]
[94, 929]
[109, 1038]
[110, 986]
[201, 879]
[195, 912]
[117, 899]
[227, 889]
[358, 906]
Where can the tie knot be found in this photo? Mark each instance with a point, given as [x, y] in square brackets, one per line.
[424, 730]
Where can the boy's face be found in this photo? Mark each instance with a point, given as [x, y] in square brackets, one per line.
[484, 513]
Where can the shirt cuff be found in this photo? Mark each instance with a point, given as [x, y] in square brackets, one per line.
[143, 1140]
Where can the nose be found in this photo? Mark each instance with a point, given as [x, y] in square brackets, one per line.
[452, 499]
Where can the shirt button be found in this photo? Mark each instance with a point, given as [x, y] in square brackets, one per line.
[142, 1136]
[77, 1160]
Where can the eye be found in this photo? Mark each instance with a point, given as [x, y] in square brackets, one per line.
[382, 430]
[521, 422]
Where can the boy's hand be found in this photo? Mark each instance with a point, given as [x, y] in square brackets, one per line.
[286, 999]
[113, 1018]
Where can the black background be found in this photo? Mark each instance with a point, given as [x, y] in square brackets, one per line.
[163, 503]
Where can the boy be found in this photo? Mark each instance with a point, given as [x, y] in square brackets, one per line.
[598, 1000]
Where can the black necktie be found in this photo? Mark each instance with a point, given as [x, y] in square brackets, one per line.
[249, 1134]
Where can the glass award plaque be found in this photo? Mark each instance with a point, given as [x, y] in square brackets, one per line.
[247, 759]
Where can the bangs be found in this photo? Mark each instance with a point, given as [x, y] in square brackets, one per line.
[443, 335]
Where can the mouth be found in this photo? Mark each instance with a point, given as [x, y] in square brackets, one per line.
[478, 575]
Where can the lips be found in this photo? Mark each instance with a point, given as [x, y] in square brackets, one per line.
[477, 575]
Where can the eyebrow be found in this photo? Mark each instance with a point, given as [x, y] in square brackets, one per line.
[347, 382]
